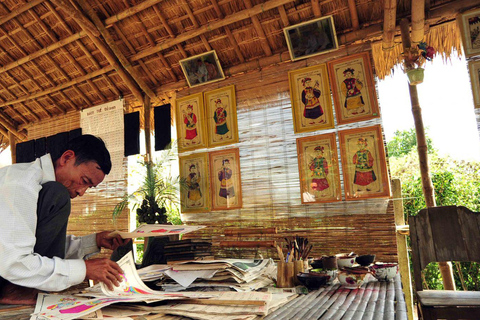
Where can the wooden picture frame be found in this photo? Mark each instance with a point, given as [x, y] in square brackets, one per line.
[225, 180]
[194, 171]
[353, 88]
[363, 163]
[318, 169]
[310, 97]
[202, 69]
[311, 38]
[469, 25]
[190, 120]
[474, 71]
[221, 116]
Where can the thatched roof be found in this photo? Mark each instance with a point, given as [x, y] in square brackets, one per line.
[58, 56]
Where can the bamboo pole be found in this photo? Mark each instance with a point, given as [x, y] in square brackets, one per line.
[389, 17]
[12, 130]
[402, 247]
[427, 186]
[108, 55]
[147, 112]
[418, 21]
[316, 9]
[130, 11]
[18, 11]
[86, 24]
[353, 14]
[13, 147]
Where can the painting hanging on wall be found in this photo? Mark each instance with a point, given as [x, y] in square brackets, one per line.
[311, 38]
[221, 116]
[474, 70]
[363, 163]
[310, 96]
[225, 182]
[194, 171]
[202, 69]
[353, 88]
[318, 168]
[190, 120]
[469, 25]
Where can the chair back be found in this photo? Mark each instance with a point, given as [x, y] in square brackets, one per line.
[448, 233]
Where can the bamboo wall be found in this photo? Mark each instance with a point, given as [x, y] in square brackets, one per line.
[270, 177]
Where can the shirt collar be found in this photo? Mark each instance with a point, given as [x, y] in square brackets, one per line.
[47, 167]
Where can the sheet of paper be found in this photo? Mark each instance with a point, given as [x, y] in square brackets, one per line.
[185, 278]
[157, 230]
[47, 302]
[153, 272]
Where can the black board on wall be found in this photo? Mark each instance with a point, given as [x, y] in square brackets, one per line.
[25, 151]
[163, 129]
[131, 133]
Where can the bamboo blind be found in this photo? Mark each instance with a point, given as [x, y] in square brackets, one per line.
[270, 178]
[92, 212]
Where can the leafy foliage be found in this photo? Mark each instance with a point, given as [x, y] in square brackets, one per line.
[455, 183]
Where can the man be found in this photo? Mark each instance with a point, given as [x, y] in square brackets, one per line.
[35, 253]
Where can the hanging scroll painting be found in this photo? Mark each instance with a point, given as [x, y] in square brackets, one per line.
[310, 97]
[225, 182]
[194, 172]
[363, 163]
[318, 168]
[469, 25]
[221, 116]
[190, 122]
[353, 88]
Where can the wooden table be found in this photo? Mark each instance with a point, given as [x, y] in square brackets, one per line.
[373, 300]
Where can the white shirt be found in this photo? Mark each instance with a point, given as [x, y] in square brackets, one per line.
[20, 185]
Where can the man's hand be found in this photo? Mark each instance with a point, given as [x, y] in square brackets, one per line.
[104, 270]
[105, 241]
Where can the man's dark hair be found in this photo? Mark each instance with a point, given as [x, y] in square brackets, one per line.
[90, 148]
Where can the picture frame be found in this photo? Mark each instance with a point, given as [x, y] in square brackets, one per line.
[364, 164]
[353, 88]
[190, 121]
[194, 171]
[474, 71]
[225, 179]
[469, 26]
[311, 38]
[310, 96]
[202, 69]
[319, 169]
[221, 116]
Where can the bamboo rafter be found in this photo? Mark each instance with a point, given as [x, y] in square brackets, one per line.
[258, 28]
[353, 14]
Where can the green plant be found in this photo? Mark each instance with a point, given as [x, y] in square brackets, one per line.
[157, 198]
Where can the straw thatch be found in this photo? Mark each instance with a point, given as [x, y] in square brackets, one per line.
[60, 56]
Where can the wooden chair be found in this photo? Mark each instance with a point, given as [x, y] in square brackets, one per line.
[445, 234]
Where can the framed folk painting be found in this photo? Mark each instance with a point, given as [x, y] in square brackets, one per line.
[469, 25]
[318, 168]
[225, 182]
[363, 163]
[195, 197]
[190, 120]
[353, 88]
[310, 96]
[311, 38]
[202, 69]
[474, 70]
[221, 116]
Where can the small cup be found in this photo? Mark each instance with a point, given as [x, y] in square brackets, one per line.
[329, 262]
[285, 274]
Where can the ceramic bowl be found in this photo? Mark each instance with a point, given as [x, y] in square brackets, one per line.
[345, 261]
[311, 280]
[384, 271]
[365, 260]
[330, 274]
[351, 280]
[317, 263]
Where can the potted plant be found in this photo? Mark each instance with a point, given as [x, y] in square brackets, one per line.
[414, 59]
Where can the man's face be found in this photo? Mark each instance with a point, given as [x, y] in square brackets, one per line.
[77, 179]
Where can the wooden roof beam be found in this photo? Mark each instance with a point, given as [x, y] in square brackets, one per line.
[389, 20]
[14, 13]
[229, 33]
[131, 84]
[112, 47]
[190, 14]
[259, 29]
[169, 30]
[239, 16]
[130, 12]
[20, 135]
[283, 16]
[353, 14]
[418, 21]
[317, 12]
[73, 12]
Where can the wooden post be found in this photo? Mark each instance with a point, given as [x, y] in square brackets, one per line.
[13, 146]
[427, 186]
[402, 246]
